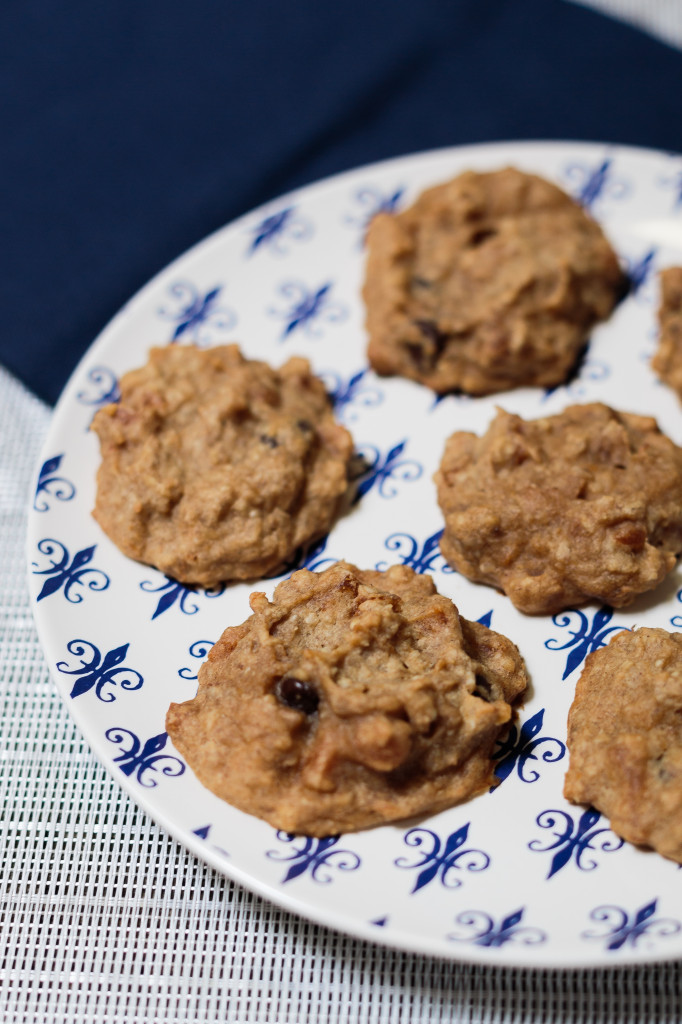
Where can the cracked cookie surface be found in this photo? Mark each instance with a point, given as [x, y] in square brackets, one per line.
[487, 282]
[352, 699]
[555, 512]
[625, 738]
[215, 467]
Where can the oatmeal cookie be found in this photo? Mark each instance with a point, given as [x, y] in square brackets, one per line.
[585, 505]
[667, 361]
[215, 467]
[625, 738]
[354, 698]
[490, 281]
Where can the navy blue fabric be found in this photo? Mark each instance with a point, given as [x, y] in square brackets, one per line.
[131, 129]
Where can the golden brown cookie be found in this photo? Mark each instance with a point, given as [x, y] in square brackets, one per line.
[217, 468]
[490, 281]
[585, 505]
[625, 738]
[352, 699]
[667, 361]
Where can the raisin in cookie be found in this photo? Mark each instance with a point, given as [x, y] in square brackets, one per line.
[667, 361]
[562, 510]
[352, 699]
[625, 738]
[490, 281]
[215, 467]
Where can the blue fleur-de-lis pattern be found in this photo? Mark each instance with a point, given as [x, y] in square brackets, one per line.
[50, 485]
[480, 928]
[640, 270]
[308, 310]
[99, 672]
[274, 231]
[591, 182]
[318, 859]
[352, 394]
[124, 641]
[172, 594]
[588, 635]
[196, 315]
[143, 760]
[617, 927]
[367, 202]
[65, 575]
[519, 750]
[444, 861]
[576, 841]
[385, 471]
[422, 556]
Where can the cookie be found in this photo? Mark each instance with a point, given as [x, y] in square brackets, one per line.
[625, 738]
[352, 699]
[215, 467]
[585, 505]
[490, 281]
[667, 361]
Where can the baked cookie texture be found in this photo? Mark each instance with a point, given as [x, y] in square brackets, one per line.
[555, 512]
[625, 738]
[215, 467]
[490, 281]
[352, 699]
[667, 360]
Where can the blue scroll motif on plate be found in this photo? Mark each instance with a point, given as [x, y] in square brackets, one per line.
[100, 673]
[314, 856]
[519, 748]
[422, 556]
[199, 649]
[197, 316]
[349, 394]
[622, 927]
[482, 930]
[383, 470]
[573, 840]
[68, 573]
[52, 486]
[371, 200]
[441, 860]
[174, 593]
[595, 181]
[585, 638]
[142, 759]
[276, 228]
[308, 309]
[101, 387]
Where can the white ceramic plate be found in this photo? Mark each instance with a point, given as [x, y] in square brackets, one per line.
[517, 876]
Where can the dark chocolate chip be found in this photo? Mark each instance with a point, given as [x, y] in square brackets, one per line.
[297, 694]
[479, 237]
[304, 425]
[271, 442]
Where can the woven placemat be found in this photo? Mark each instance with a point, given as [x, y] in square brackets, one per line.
[105, 918]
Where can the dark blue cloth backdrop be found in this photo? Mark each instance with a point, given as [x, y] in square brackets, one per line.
[133, 128]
